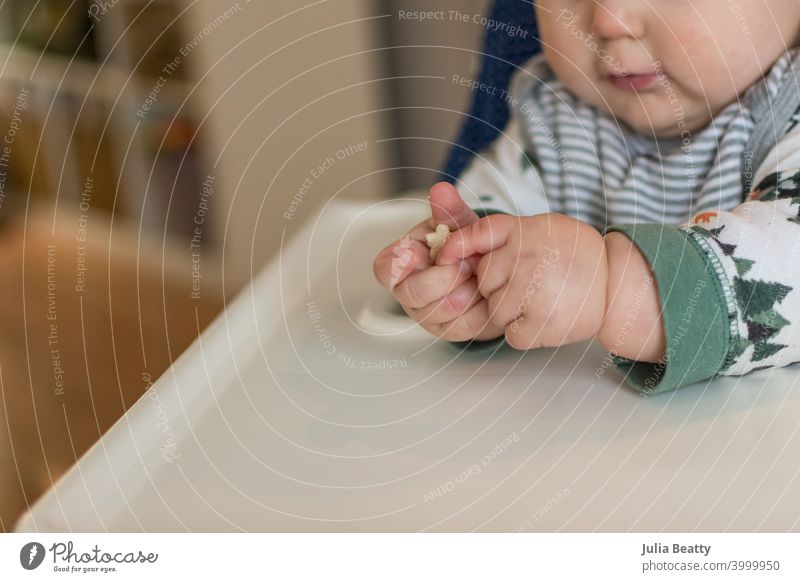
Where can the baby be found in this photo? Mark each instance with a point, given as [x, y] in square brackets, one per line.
[646, 194]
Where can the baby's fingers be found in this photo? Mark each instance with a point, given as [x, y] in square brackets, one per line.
[398, 260]
[431, 285]
[475, 323]
[451, 306]
[481, 237]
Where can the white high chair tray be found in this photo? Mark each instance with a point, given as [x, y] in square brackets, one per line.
[311, 405]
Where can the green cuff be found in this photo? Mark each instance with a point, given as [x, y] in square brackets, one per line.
[481, 212]
[693, 309]
[473, 345]
[480, 346]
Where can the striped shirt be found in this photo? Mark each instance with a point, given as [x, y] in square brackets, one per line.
[561, 155]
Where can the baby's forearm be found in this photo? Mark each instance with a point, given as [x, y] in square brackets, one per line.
[632, 327]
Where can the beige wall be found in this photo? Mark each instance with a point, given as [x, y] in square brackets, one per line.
[431, 110]
[268, 137]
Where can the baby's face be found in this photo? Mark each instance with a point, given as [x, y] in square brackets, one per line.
[686, 60]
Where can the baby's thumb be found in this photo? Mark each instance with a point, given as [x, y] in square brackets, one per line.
[448, 208]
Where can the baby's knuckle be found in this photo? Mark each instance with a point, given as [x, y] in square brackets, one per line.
[495, 303]
[483, 286]
[431, 328]
[515, 337]
[411, 312]
[453, 304]
[456, 331]
[460, 336]
[510, 225]
[512, 337]
[485, 229]
[414, 294]
[450, 277]
[484, 264]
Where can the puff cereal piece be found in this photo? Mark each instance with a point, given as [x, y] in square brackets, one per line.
[436, 239]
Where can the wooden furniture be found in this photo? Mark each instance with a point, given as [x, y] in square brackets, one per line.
[73, 360]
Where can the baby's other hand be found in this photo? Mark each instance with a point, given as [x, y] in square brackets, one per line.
[544, 276]
[444, 300]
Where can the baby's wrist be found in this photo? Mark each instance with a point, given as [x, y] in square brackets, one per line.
[632, 325]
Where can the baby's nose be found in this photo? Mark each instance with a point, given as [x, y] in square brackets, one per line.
[614, 19]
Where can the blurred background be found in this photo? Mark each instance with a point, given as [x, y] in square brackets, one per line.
[156, 154]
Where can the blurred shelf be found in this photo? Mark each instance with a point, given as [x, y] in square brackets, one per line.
[118, 119]
[24, 66]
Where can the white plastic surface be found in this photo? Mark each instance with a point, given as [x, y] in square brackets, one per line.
[286, 415]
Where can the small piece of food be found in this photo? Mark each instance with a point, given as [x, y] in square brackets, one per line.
[436, 239]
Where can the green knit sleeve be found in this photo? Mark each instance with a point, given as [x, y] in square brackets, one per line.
[693, 308]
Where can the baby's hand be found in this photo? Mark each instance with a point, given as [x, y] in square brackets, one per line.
[444, 300]
[544, 276]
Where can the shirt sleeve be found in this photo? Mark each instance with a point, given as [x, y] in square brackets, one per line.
[505, 177]
[728, 282]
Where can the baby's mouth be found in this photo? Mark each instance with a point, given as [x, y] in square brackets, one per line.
[632, 82]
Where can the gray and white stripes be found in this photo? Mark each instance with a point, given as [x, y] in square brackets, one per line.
[584, 163]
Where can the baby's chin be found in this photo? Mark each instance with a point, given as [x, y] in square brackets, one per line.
[652, 113]
[655, 127]
[659, 123]
[646, 114]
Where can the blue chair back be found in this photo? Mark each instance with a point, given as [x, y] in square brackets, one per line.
[504, 49]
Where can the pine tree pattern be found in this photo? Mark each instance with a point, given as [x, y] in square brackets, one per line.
[528, 161]
[779, 186]
[757, 301]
